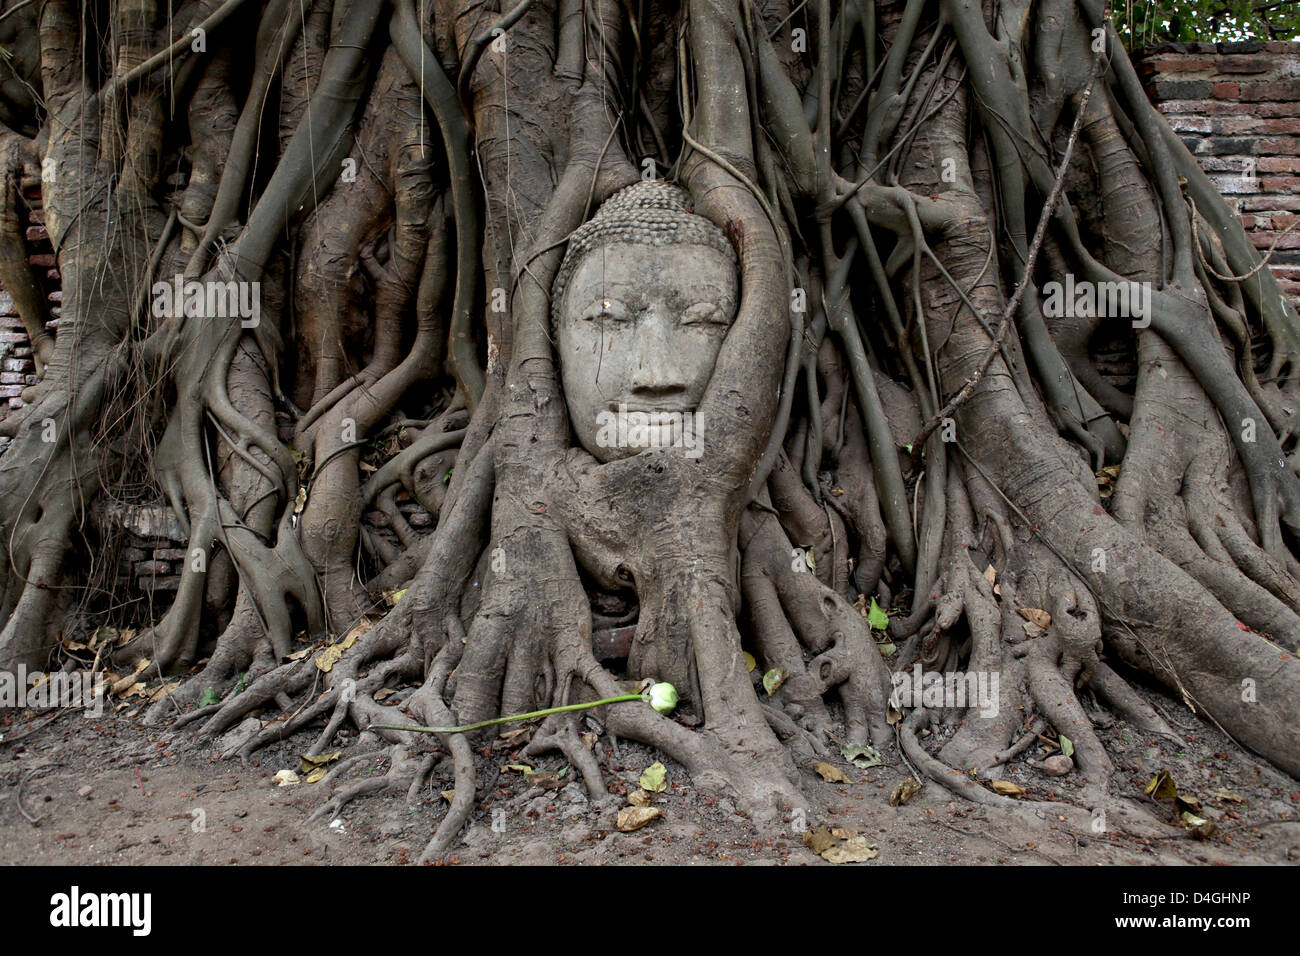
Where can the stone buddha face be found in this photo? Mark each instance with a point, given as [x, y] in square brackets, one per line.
[644, 302]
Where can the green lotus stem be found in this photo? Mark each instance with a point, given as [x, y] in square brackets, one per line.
[508, 720]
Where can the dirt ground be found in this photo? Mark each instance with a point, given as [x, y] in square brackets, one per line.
[108, 790]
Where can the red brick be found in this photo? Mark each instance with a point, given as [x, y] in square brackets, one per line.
[1224, 164]
[1269, 91]
[1279, 146]
[1279, 164]
[1223, 108]
[1254, 125]
[1235, 184]
[1227, 90]
[1240, 64]
[1174, 63]
[1187, 123]
[1270, 203]
[1265, 240]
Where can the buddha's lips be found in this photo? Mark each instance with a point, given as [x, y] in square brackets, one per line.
[655, 416]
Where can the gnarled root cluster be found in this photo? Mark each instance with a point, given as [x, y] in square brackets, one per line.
[900, 416]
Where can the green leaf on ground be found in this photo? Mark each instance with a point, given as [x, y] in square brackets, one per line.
[654, 779]
[773, 680]
[877, 617]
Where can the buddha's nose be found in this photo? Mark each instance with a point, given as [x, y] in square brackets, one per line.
[657, 368]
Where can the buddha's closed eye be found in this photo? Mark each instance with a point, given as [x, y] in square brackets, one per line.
[613, 310]
[606, 309]
[705, 313]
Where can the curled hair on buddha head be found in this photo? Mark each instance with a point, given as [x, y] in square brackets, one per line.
[650, 213]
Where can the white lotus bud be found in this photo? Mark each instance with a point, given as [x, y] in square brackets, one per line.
[663, 697]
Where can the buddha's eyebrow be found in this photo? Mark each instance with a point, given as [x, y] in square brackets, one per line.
[609, 282]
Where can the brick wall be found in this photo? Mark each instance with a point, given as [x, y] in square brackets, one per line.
[17, 367]
[1237, 107]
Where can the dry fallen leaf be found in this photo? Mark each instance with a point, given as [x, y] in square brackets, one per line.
[1199, 827]
[639, 798]
[163, 691]
[327, 658]
[634, 818]
[831, 774]
[285, 778]
[840, 845]
[854, 850]
[818, 840]
[1035, 615]
[128, 683]
[1006, 788]
[310, 763]
[903, 792]
[510, 739]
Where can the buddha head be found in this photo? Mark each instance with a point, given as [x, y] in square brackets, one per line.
[640, 306]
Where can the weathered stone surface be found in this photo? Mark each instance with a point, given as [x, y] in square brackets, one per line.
[651, 288]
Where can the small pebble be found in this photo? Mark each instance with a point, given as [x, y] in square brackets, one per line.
[1057, 765]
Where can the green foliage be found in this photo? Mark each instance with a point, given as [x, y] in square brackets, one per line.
[877, 617]
[1144, 22]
